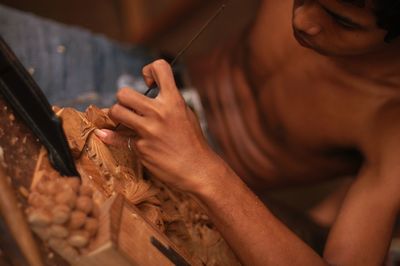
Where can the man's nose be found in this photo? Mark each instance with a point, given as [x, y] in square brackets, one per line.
[305, 20]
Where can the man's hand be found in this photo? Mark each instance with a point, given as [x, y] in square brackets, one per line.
[168, 138]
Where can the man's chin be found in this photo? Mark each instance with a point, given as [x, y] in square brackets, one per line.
[301, 39]
[307, 44]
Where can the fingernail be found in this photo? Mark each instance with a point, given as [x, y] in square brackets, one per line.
[100, 133]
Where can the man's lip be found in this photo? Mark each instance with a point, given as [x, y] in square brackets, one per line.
[301, 39]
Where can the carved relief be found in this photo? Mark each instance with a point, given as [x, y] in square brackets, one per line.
[65, 211]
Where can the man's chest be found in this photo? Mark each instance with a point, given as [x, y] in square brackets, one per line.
[312, 111]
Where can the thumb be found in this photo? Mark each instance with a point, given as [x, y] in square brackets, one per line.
[112, 138]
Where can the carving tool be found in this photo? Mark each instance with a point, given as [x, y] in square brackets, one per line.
[168, 252]
[152, 92]
[29, 102]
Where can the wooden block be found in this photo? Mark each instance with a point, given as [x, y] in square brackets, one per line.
[126, 238]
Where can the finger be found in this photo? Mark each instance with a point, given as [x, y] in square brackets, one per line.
[135, 101]
[128, 118]
[161, 73]
[111, 137]
[107, 111]
[123, 130]
[148, 77]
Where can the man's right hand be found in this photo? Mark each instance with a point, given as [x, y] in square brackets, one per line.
[168, 141]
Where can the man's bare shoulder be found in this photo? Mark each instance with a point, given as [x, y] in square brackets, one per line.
[384, 120]
[381, 143]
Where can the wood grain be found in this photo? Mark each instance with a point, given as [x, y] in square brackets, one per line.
[125, 237]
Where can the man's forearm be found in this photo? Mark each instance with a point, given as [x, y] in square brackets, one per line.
[255, 235]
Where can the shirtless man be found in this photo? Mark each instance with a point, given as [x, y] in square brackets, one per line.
[324, 102]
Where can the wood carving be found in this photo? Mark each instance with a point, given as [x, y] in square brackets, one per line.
[113, 213]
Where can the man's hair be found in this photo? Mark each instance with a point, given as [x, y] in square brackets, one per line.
[387, 14]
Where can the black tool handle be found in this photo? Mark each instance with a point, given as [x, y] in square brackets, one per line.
[29, 103]
[153, 91]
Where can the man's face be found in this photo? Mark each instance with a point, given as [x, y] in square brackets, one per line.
[336, 28]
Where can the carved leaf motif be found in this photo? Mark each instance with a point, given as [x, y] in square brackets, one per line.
[102, 157]
[142, 191]
[99, 118]
[77, 129]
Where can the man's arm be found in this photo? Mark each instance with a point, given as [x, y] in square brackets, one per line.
[171, 146]
[255, 235]
[360, 235]
[362, 231]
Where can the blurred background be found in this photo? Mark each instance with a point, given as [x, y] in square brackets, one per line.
[81, 52]
[164, 25]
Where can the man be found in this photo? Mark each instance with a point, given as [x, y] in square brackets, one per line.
[317, 91]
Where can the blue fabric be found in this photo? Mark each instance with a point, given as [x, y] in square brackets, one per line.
[72, 66]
